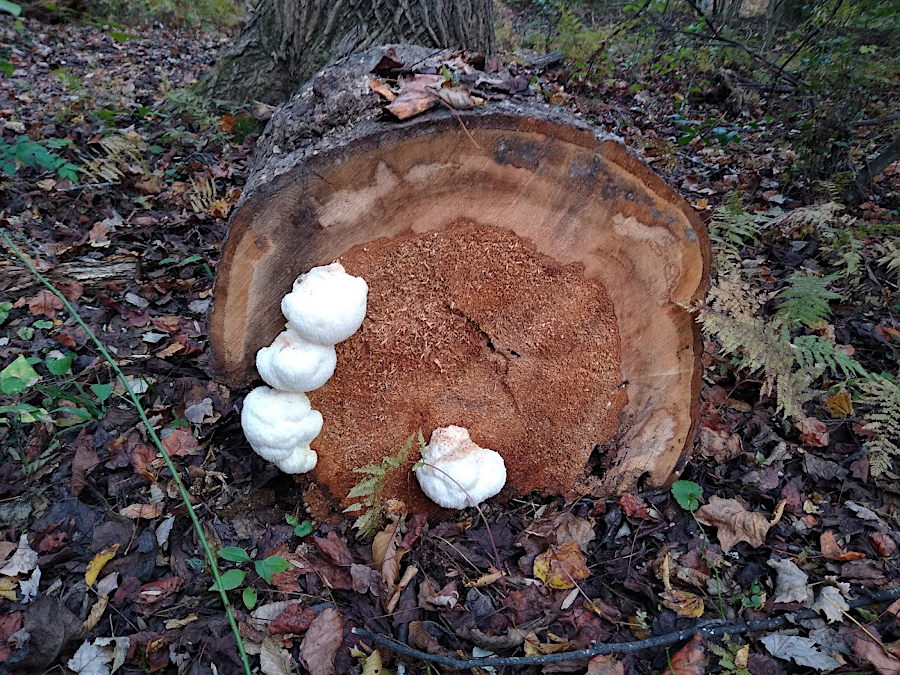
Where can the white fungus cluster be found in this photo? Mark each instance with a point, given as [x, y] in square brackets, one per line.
[458, 473]
[325, 306]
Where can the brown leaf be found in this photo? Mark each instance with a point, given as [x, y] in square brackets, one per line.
[335, 548]
[869, 650]
[142, 456]
[295, 619]
[884, 544]
[85, 461]
[181, 442]
[735, 523]
[633, 506]
[415, 97]
[689, 660]
[456, 97]
[158, 593]
[719, 444]
[388, 62]
[381, 89]
[840, 405]
[321, 643]
[833, 551]
[148, 511]
[71, 290]
[45, 303]
[386, 553]
[562, 566]
[604, 664]
[813, 433]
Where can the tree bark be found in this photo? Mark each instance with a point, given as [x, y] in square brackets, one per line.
[879, 163]
[286, 41]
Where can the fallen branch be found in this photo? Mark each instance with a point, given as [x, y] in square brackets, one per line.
[710, 629]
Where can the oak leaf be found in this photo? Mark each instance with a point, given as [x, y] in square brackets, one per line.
[321, 643]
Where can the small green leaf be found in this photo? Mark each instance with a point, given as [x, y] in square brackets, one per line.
[25, 333]
[687, 493]
[17, 377]
[43, 324]
[59, 366]
[230, 580]
[102, 391]
[13, 8]
[249, 596]
[4, 310]
[191, 259]
[271, 565]
[303, 529]
[167, 261]
[291, 520]
[234, 554]
[365, 487]
[7, 67]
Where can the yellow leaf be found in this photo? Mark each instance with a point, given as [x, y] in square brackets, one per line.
[683, 603]
[97, 563]
[561, 567]
[219, 208]
[148, 511]
[96, 613]
[484, 580]
[372, 665]
[8, 586]
[840, 405]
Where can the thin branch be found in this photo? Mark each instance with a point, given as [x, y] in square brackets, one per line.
[710, 629]
[176, 476]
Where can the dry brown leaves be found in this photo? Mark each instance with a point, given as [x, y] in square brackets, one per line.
[736, 524]
[321, 643]
[689, 660]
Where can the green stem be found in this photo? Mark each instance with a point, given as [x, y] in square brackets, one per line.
[207, 551]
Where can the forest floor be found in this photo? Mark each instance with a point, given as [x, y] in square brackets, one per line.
[100, 567]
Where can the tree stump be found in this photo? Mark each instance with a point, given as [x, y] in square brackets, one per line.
[527, 281]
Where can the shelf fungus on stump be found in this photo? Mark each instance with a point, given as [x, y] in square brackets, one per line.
[527, 282]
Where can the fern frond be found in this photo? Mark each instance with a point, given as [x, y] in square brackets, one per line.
[203, 195]
[884, 420]
[115, 157]
[889, 256]
[732, 229]
[805, 299]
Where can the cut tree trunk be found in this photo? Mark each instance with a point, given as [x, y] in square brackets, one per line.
[286, 41]
[526, 281]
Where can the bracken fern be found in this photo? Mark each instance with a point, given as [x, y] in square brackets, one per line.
[805, 300]
[884, 420]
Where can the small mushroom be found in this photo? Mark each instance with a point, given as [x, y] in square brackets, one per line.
[458, 473]
[293, 363]
[326, 305]
[280, 426]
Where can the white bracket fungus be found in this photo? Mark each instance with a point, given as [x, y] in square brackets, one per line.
[280, 426]
[458, 473]
[326, 306]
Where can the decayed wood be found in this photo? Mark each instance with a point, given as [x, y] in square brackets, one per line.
[116, 268]
[327, 186]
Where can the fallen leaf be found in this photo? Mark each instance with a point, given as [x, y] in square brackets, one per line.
[735, 524]
[8, 586]
[681, 602]
[381, 89]
[883, 543]
[689, 660]
[181, 442]
[23, 560]
[813, 433]
[800, 650]
[415, 96]
[386, 554]
[457, 98]
[45, 303]
[199, 412]
[633, 506]
[96, 614]
[103, 656]
[147, 511]
[85, 461]
[321, 643]
[604, 664]
[295, 619]
[275, 659]
[840, 405]
[831, 603]
[833, 551]
[791, 584]
[561, 567]
[158, 593]
[866, 648]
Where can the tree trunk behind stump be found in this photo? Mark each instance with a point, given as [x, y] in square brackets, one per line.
[286, 41]
[533, 288]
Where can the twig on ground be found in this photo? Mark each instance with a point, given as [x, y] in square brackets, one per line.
[176, 476]
[711, 629]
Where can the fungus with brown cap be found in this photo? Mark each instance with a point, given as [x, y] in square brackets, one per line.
[533, 286]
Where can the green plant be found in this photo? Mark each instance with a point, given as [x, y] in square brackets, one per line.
[26, 152]
[730, 653]
[753, 597]
[688, 495]
[369, 490]
[301, 529]
[157, 443]
[233, 578]
[805, 300]
[883, 395]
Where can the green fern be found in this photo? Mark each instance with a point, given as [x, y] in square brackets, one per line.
[733, 229]
[884, 420]
[369, 490]
[789, 366]
[805, 300]
[727, 653]
[889, 256]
